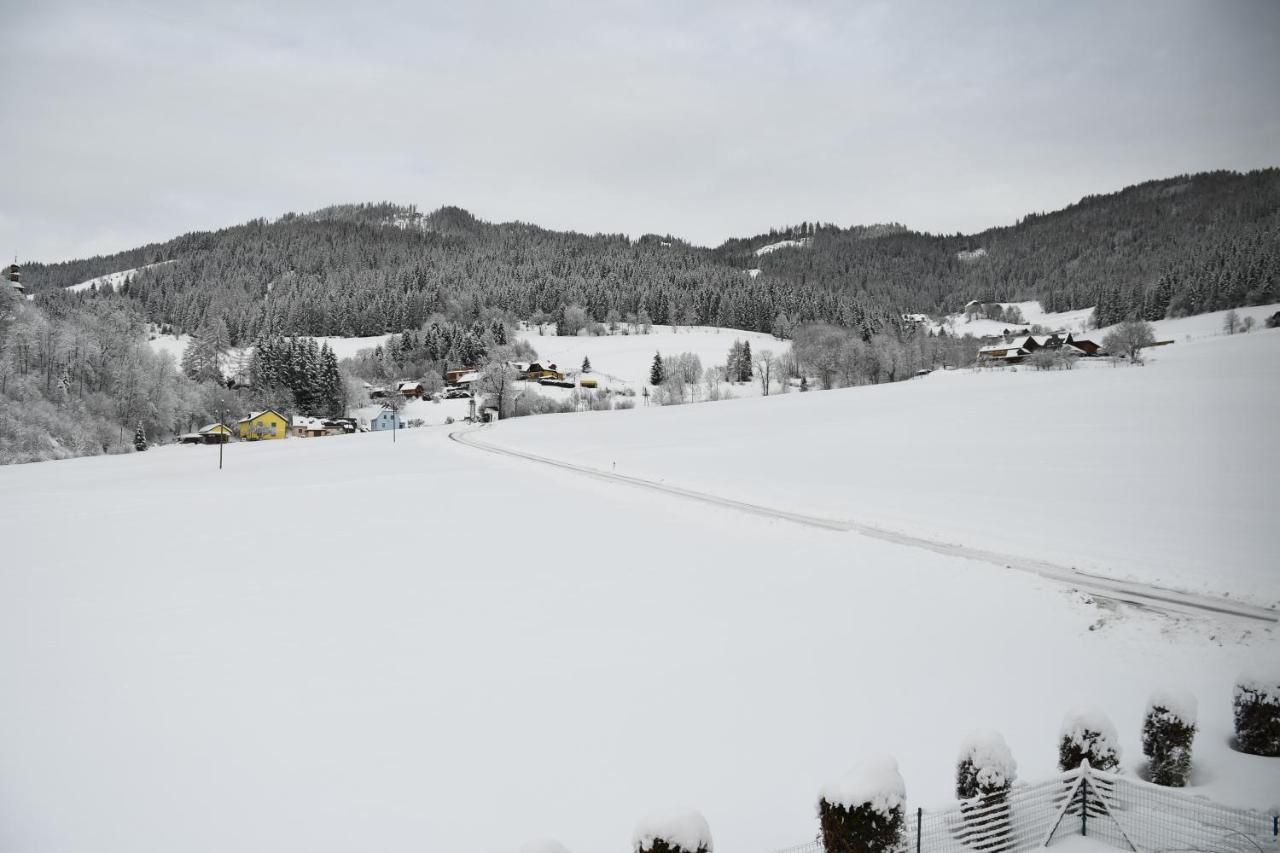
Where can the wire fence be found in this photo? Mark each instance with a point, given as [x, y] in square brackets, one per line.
[1120, 811]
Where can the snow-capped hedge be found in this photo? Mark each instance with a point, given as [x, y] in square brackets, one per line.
[985, 765]
[863, 811]
[1088, 735]
[1168, 728]
[1257, 711]
[680, 831]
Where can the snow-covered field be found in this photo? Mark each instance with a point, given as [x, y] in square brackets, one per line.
[1164, 473]
[348, 643]
[1080, 320]
[623, 361]
[112, 280]
[176, 345]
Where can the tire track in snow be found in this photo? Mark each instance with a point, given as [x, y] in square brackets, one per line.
[1129, 592]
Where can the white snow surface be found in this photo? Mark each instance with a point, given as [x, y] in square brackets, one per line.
[875, 782]
[351, 642]
[1177, 701]
[683, 828]
[990, 756]
[1162, 474]
[113, 280]
[176, 345]
[1082, 723]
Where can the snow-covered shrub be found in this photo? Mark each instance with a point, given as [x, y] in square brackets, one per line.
[863, 812]
[543, 845]
[1167, 731]
[1257, 708]
[682, 831]
[985, 765]
[1088, 735]
[985, 769]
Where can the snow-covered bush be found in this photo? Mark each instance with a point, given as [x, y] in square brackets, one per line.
[1088, 735]
[1257, 707]
[682, 831]
[543, 845]
[1167, 731]
[985, 766]
[863, 812]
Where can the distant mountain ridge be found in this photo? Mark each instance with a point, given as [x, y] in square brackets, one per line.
[1179, 245]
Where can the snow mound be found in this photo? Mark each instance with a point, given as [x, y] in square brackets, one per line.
[753, 272]
[1177, 703]
[782, 244]
[683, 828]
[1263, 680]
[991, 758]
[1092, 731]
[875, 783]
[543, 845]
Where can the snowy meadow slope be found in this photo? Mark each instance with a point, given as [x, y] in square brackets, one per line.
[1163, 474]
[349, 642]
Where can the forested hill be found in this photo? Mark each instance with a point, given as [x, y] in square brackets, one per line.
[1180, 245]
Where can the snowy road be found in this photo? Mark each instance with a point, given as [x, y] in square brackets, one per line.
[1138, 594]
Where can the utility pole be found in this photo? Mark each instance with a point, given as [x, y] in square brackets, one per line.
[222, 422]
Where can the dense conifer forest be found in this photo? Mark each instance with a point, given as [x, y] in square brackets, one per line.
[1176, 246]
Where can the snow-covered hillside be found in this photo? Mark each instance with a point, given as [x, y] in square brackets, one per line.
[346, 642]
[1163, 473]
[112, 280]
[798, 243]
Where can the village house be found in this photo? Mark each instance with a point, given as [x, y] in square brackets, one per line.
[266, 424]
[1017, 349]
[411, 390]
[543, 370]
[383, 420]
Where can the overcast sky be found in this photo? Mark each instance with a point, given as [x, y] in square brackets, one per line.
[127, 122]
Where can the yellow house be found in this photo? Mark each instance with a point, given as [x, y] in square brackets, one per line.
[263, 425]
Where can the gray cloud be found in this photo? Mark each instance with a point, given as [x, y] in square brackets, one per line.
[130, 122]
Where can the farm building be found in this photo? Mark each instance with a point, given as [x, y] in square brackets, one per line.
[215, 434]
[542, 370]
[454, 376]
[305, 427]
[266, 424]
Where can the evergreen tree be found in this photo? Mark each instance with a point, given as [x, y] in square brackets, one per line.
[140, 439]
[656, 372]
[586, 364]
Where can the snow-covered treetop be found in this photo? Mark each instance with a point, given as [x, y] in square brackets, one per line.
[1091, 730]
[1263, 680]
[991, 758]
[1176, 702]
[685, 829]
[875, 783]
[543, 845]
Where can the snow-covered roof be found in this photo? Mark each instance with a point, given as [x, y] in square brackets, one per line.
[408, 386]
[211, 427]
[253, 415]
[468, 377]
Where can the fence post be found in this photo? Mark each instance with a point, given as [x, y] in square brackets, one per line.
[1084, 803]
[919, 820]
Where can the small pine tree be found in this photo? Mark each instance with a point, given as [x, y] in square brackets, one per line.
[804, 383]
[140, 439]
[1167, 732]
[657, 373]
[586, 364]
[1257, 713]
